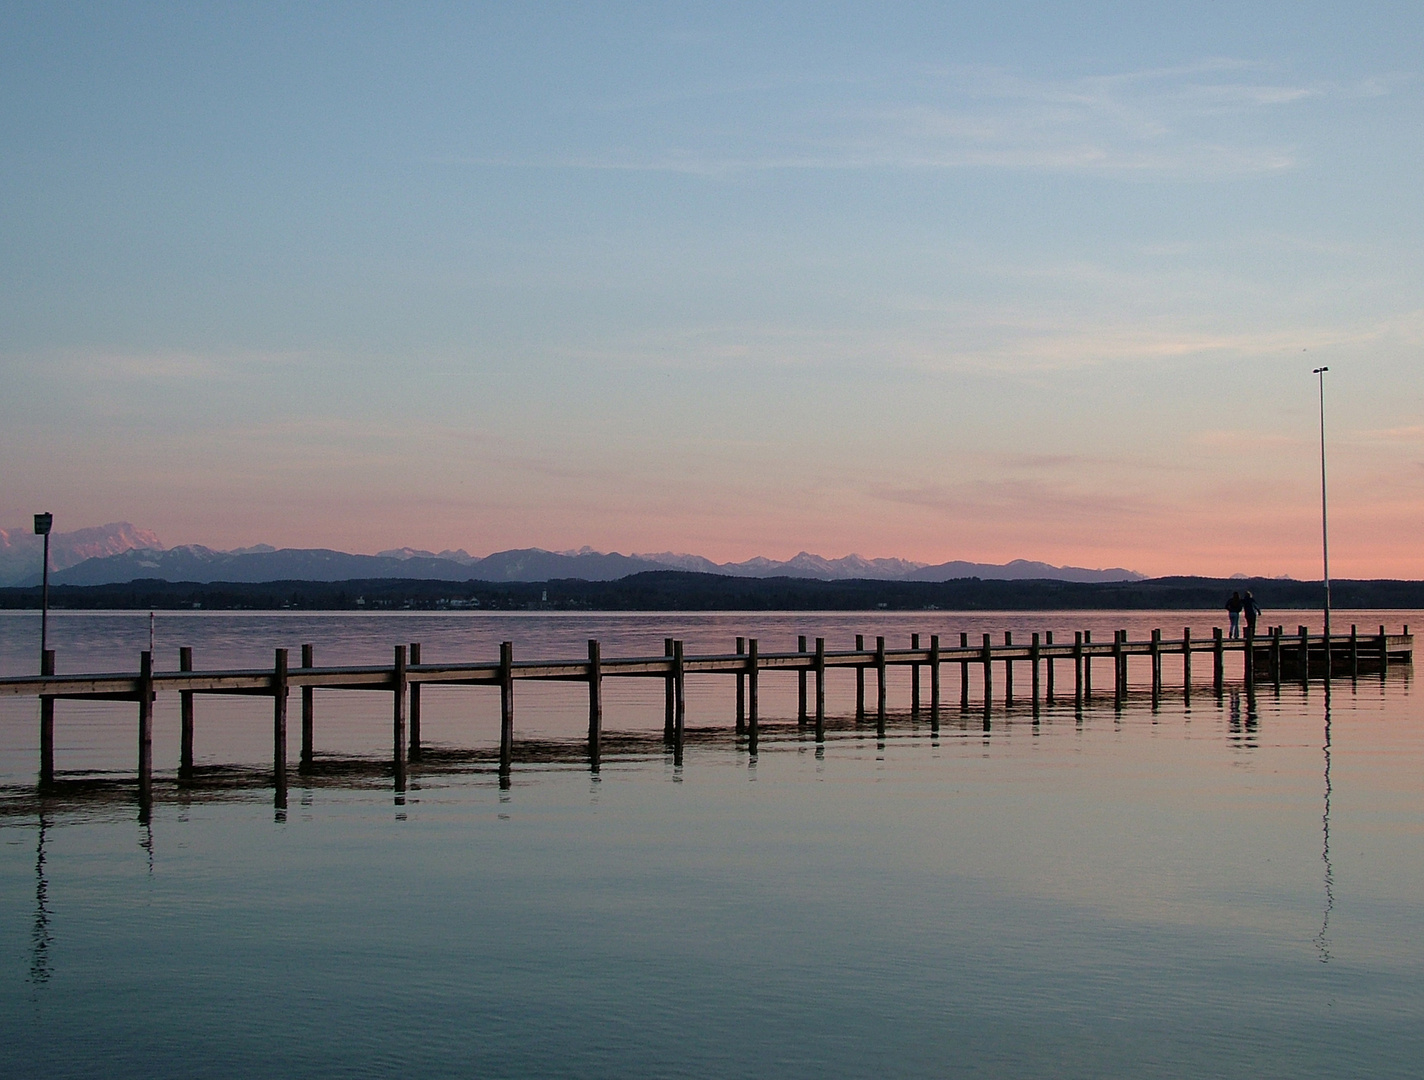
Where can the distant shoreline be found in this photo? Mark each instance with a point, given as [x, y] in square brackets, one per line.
[673, 590]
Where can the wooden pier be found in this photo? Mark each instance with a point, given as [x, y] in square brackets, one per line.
[1272, 656]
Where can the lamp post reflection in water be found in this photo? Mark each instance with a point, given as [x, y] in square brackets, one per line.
[1322, 940]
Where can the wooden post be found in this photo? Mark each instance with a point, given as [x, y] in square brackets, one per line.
[279, 728]
[1008, 673]
[1048, 640]
[801, 683]
[1354, 651]
[820, 688]
[1033, 648]
[915, 678]
[1276, 657]
[399, 686]
[679, 698]
[880, 682]
[145, 728]
[1249, 651]
[752, 675]
[414, 705]
[1156, 665]
[988, 674]
[1119, 668]
[934, 679]
[1218, 660]
[46, 724]
[669, 693]
[1187, 662]
[185, 718]
[964, 674]
[1305, 654]
[1383, 651]
[595, 698]
[506, 708]
[860, 680]
[1087, 667]
[308, 715]
[741, 690]
[1078, 669]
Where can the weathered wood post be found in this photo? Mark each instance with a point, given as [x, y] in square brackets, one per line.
[1119, 668]
[1354, 651]
[1048, 640]
[1276, 657]
[1008, 672]
[595, 698]
[934, 679]
[679, 697]
[1305, 655]
[752, 679]
[880, 689]
[988, 661]
[1187, 663]
[279, 729]
[506, 709]
[46, 724]
[1383, 651]
[399, 686]
[1087, 666]
[964, 673]
[1249, 651]
[1033, 658]
[308, 715]
[1218, 660]
[414, 705]
[1156, 666]
[669, 693]
[860, 680]
[1078, 669]
[820, 688]
[801, 683]
[145, 728]
[741, 690]
[915, 678]
[185, 718]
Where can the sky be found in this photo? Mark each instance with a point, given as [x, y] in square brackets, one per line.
[936, 281]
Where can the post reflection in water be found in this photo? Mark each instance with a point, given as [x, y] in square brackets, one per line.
[1322, 940]
[1243, 726]
[40, 937]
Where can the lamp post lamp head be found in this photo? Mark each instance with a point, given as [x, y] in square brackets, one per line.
[1317, 371]
[43, 523]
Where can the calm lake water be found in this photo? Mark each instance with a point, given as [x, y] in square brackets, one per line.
[1212, 888]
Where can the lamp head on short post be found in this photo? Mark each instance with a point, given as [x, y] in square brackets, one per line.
[43, 523]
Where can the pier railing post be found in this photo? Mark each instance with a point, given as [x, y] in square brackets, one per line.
[801, 683]
[934, 679]
[46, 724]
[414, 705]
[964, 673]
[741, 689]
[308, 715]
[820, 688]
[185, 718]
[1218, 660]
[506, 710]
[752, 697]
[595, 698]
[1008, 672]
[915, 678]
[399, 733]
[145, 729]
[860, 679]
[279, 729]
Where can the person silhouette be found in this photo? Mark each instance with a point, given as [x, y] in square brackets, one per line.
[1253, 611]
[1233, 608]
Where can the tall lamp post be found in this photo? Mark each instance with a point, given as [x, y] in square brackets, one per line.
[1319, 373]
[43, 524]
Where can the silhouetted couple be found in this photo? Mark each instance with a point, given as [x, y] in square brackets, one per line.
[1235, 606]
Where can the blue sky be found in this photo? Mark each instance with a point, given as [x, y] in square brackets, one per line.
[935, 281]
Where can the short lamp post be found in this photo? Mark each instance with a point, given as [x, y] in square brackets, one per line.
[43, 524]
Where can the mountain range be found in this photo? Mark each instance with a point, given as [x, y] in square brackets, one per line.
[120, 552]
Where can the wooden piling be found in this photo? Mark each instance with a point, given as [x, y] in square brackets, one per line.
[741, 690]
[881, 692]
[1354, 651]
[1249, 651]
[669, 693]
[400, 685]
[1008, 672]
[145, 727]
[1156, 647]
[1078, 669]
[414, 705]
[595, 698]
[1119, 668]
[1048, 640]
[820, 688]
[915, 678]
[1383, 651]
[860, 680]
[1304, 650]
[279, 727]
[1218, 660]
[679, 696]
[964, 674]
[506, 706]
[308, 715]
[934, 679]
[801, 683]
[988, 662]
[752, 678]
[1187, 663]
[47, 724]
[1033, 655]
[1087, 667]
[1276, 657]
